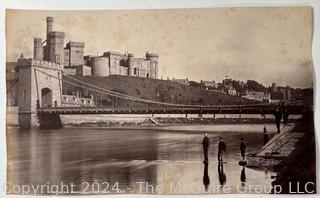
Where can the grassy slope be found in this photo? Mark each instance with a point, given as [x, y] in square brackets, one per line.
[148, 89]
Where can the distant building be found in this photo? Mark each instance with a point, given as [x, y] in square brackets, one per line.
[182, 81]
[258, 96]
[231, 91]
[286, 92]
[282, 93]
[209, 84]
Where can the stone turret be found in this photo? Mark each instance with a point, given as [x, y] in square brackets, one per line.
[153, 58]
[37, 49]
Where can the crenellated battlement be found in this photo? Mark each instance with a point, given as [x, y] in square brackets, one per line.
[28, 62]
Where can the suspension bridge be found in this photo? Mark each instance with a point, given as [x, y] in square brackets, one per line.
[47, 99]
[155, 107]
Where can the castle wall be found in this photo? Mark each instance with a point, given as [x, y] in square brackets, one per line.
[119, 70]
[66, 57]
[84, 70]
[124, 64]
[139, 67]
[69, 71]
[115, 58]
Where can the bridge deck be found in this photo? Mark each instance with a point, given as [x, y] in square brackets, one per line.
[296, 109]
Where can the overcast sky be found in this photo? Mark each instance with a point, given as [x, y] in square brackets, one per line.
[263, 44]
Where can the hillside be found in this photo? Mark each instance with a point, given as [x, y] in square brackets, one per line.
[153, 89]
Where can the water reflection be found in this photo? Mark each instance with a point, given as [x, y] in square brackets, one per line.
[36, 157]
[222, 175]
[206, 179]
[243, 174]
[243, 177]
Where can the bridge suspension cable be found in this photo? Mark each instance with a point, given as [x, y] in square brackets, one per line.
[136, 99]
[115, 94]
[157, 102]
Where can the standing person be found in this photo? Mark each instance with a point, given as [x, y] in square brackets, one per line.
[265, 135]
[205, 145]
[278, 116]
[221, 149]
[242, 148]
[285, 117]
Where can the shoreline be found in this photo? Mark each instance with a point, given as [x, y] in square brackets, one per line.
[291, 157]
[167, 122]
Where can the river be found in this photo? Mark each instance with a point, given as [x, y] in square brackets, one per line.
[163, 160]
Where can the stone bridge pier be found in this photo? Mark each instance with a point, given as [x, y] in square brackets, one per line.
[49, 120]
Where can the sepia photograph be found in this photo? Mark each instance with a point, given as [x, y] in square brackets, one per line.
[187, 101]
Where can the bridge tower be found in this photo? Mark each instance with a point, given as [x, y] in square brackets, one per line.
[39, 86]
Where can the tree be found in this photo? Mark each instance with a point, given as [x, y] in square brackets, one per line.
[255, 86]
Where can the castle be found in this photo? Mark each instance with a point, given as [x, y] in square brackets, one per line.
[37, 82]
[71, 56]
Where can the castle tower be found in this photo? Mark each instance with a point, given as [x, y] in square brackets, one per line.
[131, 65]
[37, 49]
[100, 66]
[153, 57]
[75, 53]
[55, 47]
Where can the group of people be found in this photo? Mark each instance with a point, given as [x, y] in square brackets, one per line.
[278, 115]
[221, 148]
[222, 145]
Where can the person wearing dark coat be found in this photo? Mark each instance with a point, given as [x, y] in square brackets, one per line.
[221, 149]
[242, 148]
[205, 145]
[265, 136]
[278, 116]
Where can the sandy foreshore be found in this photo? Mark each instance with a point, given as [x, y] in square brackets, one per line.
[160, 121]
